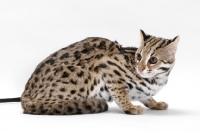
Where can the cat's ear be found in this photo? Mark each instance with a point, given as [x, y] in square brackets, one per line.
[171, 48]
[143, 35]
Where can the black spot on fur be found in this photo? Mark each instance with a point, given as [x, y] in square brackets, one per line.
[71, 68]
[127, 112]
[117, 73]
[47, 70]
[99, 56]
[87, 59]
[114, 64]
[60, 106]
[82, 90]
[60, 96]
[40, 86]
[126, 58]
[102, 65]
[110, 98]
[77, 55]
[32, 106]
[88, 92]
[121, 79]
[86, 81]
[73, 82]
[49, 78]
[130, 85]
[50, 61]
[32, 85]
[70, 109]
[85, 51]
[73, 91]
[80, 74]
[51, 90]
[96, 69]
[129, 77]
[92, 88]
[164, 68]
[106, 88]
[36, 79]
[66, 55]
[95, 82]
[88, 107]
[142, 83]
[102, 89]
[89, 77]
[116, 58]
[65, 82]
[111, 46]
[37, 71]
[42, 65]
[65, 74]
[62, 89]
[139, 89]
[106, 107]
[78, 111]
[119, 82]
[102, 45]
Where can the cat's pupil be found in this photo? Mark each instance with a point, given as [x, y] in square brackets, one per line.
[153, 60]
[139, 57]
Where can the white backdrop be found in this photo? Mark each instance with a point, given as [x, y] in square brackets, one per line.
[31, 30]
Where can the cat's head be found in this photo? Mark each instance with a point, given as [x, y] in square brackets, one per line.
[155, 55]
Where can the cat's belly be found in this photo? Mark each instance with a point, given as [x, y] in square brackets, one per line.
[101, 92]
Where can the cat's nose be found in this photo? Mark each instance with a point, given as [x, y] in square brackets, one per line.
[140, 68]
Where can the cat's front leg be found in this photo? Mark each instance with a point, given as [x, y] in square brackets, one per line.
[121, 97]
[152, 104]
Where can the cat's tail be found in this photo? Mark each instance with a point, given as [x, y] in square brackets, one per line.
[18, 99]
[63, 107]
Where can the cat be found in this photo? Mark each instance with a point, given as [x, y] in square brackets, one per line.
[82, 77]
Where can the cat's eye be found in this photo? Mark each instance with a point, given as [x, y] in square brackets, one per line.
[153, 60]
[139, 57]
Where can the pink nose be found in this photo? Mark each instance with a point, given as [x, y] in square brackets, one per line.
[140, 68]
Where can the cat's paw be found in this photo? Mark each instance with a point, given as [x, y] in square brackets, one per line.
[135, 110]
[160, 106]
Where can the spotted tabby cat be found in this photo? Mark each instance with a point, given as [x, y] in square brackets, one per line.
[80, 78]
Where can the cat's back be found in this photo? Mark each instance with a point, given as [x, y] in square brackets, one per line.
[82, 50]
[86, 48]
[79, 54]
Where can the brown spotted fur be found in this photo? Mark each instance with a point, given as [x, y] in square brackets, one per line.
[64, 83]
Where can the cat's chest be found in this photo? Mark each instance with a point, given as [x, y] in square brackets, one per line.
[145, 89]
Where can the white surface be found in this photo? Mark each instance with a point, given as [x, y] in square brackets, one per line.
[31, 30]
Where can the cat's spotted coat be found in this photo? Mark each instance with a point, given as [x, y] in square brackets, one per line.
[80, 78]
